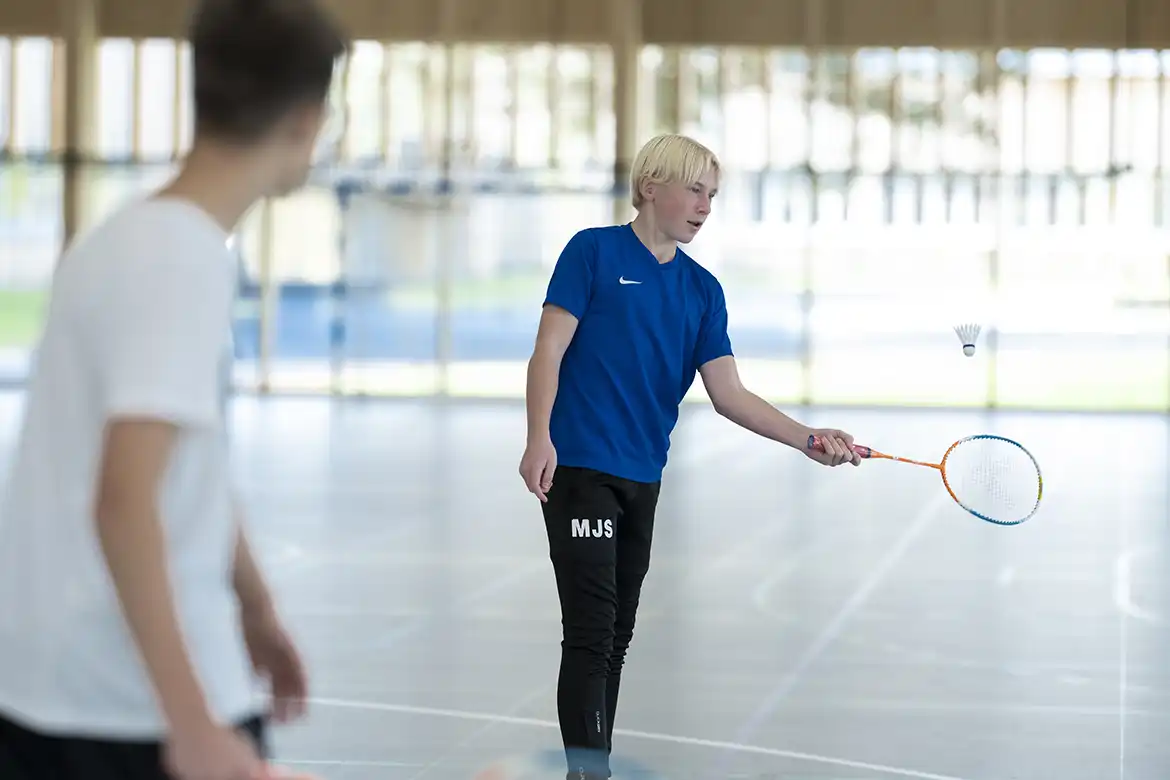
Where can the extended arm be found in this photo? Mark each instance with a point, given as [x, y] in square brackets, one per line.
[746, 409]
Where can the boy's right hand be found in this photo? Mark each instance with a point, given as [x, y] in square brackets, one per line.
[537, 467]
[215, 753]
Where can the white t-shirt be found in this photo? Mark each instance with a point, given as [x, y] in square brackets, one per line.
[138, 323]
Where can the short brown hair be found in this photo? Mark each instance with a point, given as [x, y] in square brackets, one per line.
[256, 60]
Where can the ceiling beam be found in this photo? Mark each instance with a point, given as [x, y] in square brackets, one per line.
[966, 24]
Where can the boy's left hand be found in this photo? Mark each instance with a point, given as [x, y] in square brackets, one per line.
[276, 659]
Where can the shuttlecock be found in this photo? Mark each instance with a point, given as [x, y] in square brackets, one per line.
[968, 333]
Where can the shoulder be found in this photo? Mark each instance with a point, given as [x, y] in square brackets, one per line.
[174, 223]
[594, 238]
[601, 232]
[702, 276]
[149, 262]
[593, 245]
[155, 238]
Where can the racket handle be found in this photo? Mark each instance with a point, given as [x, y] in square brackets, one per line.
[814, 443]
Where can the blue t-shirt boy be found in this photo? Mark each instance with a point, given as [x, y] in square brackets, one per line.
[644, 330]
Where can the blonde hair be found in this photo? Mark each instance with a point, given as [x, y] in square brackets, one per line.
[669, 158]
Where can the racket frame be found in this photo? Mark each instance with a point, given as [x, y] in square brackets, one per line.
[869, 452]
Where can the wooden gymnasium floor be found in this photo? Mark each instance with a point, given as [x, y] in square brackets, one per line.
[797, 623]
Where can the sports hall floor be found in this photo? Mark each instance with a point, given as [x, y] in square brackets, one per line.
[797, 623]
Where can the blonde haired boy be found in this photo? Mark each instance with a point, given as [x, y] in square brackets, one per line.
[628, 321]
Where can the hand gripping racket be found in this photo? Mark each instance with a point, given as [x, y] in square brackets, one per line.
[992, 477]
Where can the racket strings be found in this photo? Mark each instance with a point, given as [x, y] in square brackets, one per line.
[994, 478]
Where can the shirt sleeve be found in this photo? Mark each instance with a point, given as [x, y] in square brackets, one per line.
[713, 340]
[571, 285]
[163, 336]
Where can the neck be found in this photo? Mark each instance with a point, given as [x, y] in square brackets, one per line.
[662, 246]
[222, 181]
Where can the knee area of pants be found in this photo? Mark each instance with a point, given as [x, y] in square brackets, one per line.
[596, 646]
[591, 637]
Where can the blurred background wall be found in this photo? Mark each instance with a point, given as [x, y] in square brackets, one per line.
[894, 168]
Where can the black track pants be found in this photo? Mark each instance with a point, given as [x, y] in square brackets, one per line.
[600, 529]
[30, 755]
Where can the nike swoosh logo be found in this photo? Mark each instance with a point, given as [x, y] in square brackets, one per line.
[624, 280]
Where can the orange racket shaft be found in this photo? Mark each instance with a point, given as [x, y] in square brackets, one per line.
[814, 443]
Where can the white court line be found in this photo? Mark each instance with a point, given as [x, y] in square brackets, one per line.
[292, 559]
[1123, 576]
[761, 595]
[647, 735]
[392, 636]
[1123, 587]
[1123, 674]
[536, 693]
[509, 579]
[347, 763]
[833, 629]
[793, 560]
[1123, 598]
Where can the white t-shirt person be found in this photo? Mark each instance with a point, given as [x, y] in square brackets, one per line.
[138, 324]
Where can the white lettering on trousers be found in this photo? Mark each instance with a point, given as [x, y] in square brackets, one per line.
[595, 528]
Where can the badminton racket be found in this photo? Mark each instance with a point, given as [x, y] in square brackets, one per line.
[992, 477]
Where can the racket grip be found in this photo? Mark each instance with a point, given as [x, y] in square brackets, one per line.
[814, 443]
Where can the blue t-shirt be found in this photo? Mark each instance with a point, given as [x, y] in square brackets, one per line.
[644, 330]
